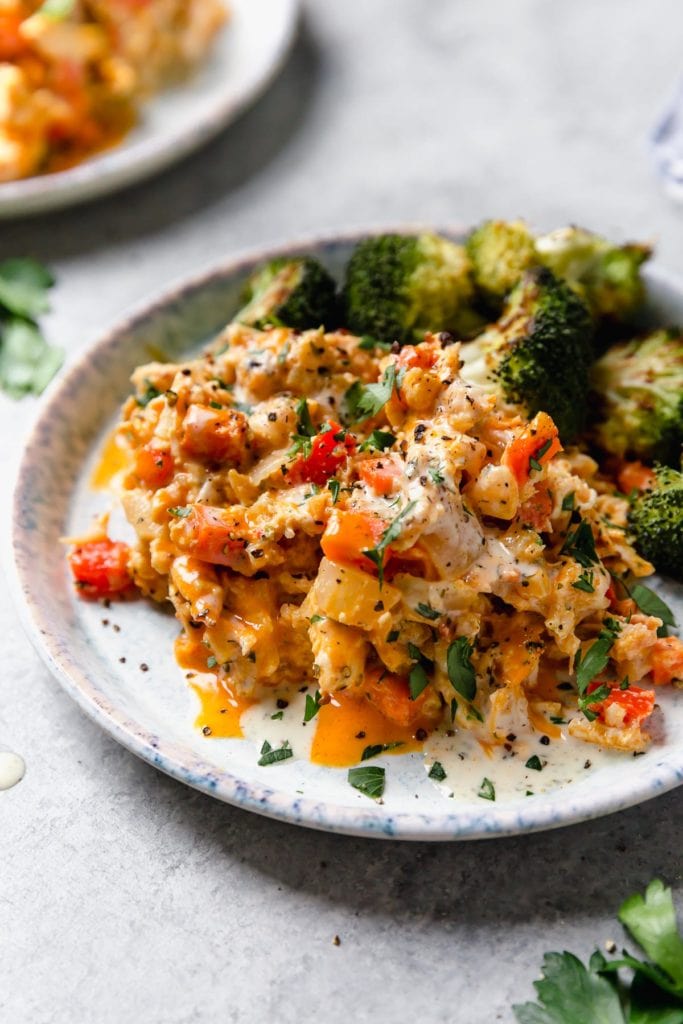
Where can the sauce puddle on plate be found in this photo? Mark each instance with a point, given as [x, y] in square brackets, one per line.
[12, 769]
[541, 758]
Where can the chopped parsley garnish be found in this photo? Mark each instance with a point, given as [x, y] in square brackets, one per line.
[215, 405]
[312, 706]
[437, 772]
[427, 611]
[316, 618]
[453, 709]
[334, 487]
[436, 475]
[180, 511]
[487, 791]
[301, 441]
[368, 779]
[211, 661]
[534, 763]
[375, 749]
[365, 400]
[568, 502]
[460, 669]
[585, 582]
[593, 663]
[392, 532]
[651, 604]
[367, 343]
[580, 544]
[278, 716]
[146, 397]
[418, 678]
[379, 440]
[272, 756]
[534, 461]
[474, 713]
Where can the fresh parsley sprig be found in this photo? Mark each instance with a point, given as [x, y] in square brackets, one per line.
[27, 362]
[571, 993]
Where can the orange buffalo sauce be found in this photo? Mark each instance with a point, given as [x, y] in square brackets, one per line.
[113, 460]
[337, 741]
[343, 728]
[220, 708]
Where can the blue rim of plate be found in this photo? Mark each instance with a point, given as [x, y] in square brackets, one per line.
[121, 166]
[554, 809]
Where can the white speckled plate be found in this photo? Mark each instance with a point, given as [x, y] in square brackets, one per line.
[151, 712]
[246, 55]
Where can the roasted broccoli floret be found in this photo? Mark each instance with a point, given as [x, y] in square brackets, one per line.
[500, 252]
[539, 352]
[656, 519]
[606, 275]
[296, 293]
[639, 385]
[399, 286]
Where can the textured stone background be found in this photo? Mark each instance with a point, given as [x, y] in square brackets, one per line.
[126, 897]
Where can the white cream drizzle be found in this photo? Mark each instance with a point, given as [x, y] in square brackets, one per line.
[564, 760]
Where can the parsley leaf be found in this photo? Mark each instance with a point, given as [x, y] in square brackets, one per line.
[24, 284]
[180, 511]
[570, 993]
[585, 582]
[437, 772]
[27, 362]
[379, 440]
[272, 756]
[392, 532]
[427, 611]
[651, 604]
[580, 544]
[534, 461]
[379, 748]
[418, 680]
[301, 441]
[651, 920]
[568, 502]
[368, 780]
[596, 657]
[460, 669]
[436, 475]
[312, 706]
[534, 763]
[365, 400]
[334, 487]
[487, 790]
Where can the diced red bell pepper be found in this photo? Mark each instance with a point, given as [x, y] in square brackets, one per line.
[330, 449]
[100, 567]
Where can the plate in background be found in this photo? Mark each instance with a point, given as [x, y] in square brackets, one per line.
[247, 53]
[151, 712]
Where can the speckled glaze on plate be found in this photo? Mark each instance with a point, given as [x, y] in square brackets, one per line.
[246, 55]
[150, 710]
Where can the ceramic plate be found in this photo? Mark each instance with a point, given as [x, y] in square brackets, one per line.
[151, 711]
[247, 54]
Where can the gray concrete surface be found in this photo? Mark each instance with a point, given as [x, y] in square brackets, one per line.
[125, 897]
